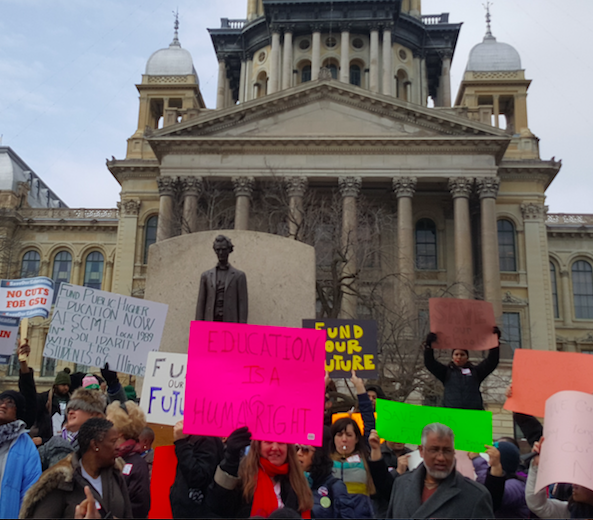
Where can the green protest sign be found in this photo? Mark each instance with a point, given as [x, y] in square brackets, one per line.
[401, 422]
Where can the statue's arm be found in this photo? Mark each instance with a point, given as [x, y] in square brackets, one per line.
[243, 299]
[202, 296]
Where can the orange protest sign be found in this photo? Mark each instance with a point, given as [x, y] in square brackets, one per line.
[537, 375]
[464, 324]
[356, 417]
[164, 469]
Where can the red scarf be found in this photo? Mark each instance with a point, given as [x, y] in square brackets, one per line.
[265, 501]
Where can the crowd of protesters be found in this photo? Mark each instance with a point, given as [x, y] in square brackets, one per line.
[83, 450]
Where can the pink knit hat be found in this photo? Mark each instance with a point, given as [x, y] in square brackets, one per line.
[91, 382]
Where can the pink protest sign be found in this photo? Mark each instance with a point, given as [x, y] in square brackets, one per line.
[270, 379]
[567, 453]
[464, 324]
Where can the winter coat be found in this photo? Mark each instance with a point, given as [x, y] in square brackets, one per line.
[29, 392]
[513, 500]
[43, 419]
[61, 488]
[54, 450]
[353, 472]
[390, 457]
[340, 504]
[197, 459]
[137, 479]
[462, 384]
[456, 497]
[539, 503]
[225, 496]
[21, 471]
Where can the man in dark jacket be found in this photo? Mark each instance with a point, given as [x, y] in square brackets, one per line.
[435, 489]
[197, 460]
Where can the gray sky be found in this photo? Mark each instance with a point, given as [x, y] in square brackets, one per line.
[68, 70]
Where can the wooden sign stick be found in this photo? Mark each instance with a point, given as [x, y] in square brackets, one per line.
[24, 336]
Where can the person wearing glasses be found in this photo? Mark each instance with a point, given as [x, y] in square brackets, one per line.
[435, 489]
[20, 466]
[330, 495]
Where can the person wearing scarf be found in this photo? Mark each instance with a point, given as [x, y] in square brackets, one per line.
[267, 479]
[20, 467]
[129, 421]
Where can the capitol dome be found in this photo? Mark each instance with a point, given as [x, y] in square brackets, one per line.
[493, 56]
[172, 61]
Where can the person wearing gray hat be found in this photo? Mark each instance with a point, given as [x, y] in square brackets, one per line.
[83, 405]
[20, 467]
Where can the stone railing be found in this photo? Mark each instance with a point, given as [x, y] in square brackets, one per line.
[434, 19]
[67, 213]
[226, 23]
[564, 218]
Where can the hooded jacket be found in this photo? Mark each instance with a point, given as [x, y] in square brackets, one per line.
[61, 488]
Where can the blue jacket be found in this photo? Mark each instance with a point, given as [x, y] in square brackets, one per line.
[22, 470]
[337, 504]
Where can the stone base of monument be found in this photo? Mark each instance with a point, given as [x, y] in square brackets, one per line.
[280, 279]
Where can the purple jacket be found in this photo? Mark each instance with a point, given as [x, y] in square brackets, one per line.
[513, 501]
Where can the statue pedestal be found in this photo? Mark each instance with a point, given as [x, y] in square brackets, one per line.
[280, 279]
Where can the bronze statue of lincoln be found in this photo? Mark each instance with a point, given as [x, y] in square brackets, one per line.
[223, 289]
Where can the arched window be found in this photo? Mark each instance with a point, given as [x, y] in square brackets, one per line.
[582, 289]
[333, 68]
[554, 290]
[426, 244]
[506, 246]
[30, 264]
[355, 75]
[93, 270]
[402, 85]
[62, 270]
[150, 235]
[306, 74]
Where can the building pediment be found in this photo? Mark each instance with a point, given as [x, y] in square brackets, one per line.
[326, 109]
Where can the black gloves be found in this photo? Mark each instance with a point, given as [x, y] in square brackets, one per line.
[235, 445]
[110, 376]
[430, 339]
[496, 330]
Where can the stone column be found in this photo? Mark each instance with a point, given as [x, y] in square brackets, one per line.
[108, 276]
[488, 190]
[416, 8]
[243, 187]
[248, 78]
[126, 247]
[461, 189]
[316, 52]
[496, 109]
[388, 62]
[404, 189]
[275, 59]
[242, 81]
[287, 60]
[44, 268]
[350, 189]
[446, 81]
[221, 89]
[374, 66]
[566, 298]
[345, 55]
[539, 287]
[75, 280]
[166, 192]
[296, 188]
[251, 9]
[192, 188]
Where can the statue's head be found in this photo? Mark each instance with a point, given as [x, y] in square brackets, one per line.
[223, 247]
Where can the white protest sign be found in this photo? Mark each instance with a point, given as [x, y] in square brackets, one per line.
[27, 297]
[163, 390]
[93, 327]
[567, 453]
[9, 329]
